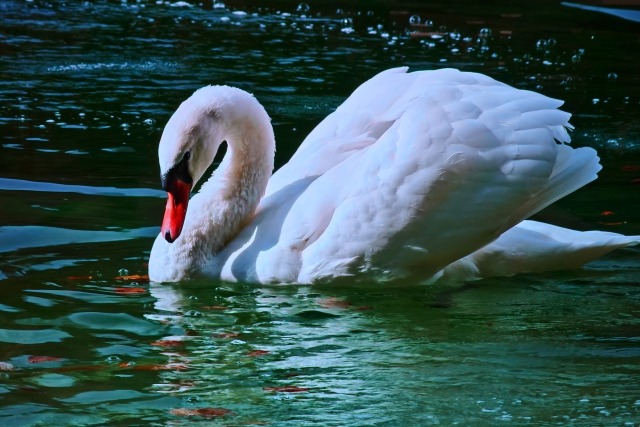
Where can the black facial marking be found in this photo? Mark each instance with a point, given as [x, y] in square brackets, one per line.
[180, 171]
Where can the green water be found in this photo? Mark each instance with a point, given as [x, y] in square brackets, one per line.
[85, 89]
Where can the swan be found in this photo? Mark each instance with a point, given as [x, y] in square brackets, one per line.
[426, 175]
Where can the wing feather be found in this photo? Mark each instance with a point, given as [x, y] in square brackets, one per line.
[413, 170]
[460, 165]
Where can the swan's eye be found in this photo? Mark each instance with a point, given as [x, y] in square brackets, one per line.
[187, 155]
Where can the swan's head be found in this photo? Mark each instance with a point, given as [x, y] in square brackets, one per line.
[191, 139]
[188, 145]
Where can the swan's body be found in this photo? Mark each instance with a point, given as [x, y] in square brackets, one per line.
[425, 174]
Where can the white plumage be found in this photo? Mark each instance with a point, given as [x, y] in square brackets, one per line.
[424, 175]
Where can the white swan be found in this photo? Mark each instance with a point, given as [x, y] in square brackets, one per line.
[427, 174]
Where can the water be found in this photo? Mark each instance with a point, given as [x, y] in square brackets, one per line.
[85, 89]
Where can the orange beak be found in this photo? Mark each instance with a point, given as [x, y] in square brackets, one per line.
[176, 209]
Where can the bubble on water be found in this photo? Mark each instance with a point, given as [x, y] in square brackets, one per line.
[123, 272]
[113, 360]
[177, 4]
[551, 42]
[581, 51]
[414, 19]
[566, 81]
[303, 8]
[612, 76]
[455, 35]
[149, 122]
[541, 44]
[428, 23]
[347, 21]
[193, 313]
[505, 416]
[595, 101]
[339, 11]
[192, 399]
[485, 32]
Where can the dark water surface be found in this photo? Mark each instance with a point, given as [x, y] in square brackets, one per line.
[85, 89]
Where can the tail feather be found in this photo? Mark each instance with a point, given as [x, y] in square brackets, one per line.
[533, 247]
[574, 169]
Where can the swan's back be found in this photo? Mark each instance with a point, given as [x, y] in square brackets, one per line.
[379, 102]
[413, 170]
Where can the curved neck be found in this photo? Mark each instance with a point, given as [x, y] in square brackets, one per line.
[228, 200]
[240, 180]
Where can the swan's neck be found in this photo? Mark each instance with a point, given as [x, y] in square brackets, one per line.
[230, 197]
[228, 200]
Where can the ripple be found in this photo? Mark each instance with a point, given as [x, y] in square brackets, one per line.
[628, 14]
[87, 297]
[89, 397]
[119, 66]
[33, 236]
[9, 184]
[26, 336]
[115, 322]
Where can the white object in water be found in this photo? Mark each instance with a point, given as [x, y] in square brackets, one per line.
[421, 175]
